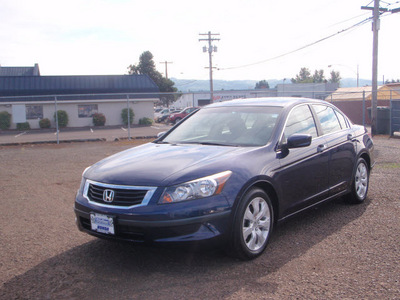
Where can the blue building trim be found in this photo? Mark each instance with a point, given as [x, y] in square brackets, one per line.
[70, 85]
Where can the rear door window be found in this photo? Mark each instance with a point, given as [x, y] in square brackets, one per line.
[342, 120]
[327, 118]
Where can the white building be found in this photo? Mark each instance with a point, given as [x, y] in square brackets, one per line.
[31, 98]
[203, 98]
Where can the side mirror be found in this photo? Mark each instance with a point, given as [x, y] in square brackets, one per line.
[160, 134]
[299, 141]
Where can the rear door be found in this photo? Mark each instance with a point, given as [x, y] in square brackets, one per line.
[341, 146]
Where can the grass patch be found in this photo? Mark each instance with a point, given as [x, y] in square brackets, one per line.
[390, 165]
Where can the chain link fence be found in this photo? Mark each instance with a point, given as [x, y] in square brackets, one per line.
[101, 116]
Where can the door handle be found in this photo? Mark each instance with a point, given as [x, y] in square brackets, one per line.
[351, 137]
[321, 148]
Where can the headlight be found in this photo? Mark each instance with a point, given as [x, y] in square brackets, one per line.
[195, 189]
[83, 181]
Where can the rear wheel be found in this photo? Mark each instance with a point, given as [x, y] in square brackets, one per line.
[360, 183]
[252, 225]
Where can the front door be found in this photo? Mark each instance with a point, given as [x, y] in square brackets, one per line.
[303, 175]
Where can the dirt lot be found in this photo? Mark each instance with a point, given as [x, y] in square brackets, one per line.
[337, 251]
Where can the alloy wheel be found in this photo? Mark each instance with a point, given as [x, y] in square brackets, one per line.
[256, 224]
[361, 180]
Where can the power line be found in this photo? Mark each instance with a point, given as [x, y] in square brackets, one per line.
[301, 48]
[344, 21]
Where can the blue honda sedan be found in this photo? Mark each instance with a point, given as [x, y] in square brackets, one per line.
[227, 173]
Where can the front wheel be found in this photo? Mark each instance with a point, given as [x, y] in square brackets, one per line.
[360, 183]
[252, 225]
[177, 120]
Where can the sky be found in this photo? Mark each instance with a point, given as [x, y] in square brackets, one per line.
[103, 37]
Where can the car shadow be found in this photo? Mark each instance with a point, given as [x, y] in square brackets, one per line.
[108, 270]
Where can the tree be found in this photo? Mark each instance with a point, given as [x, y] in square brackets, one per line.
[263, 84]
[304, 76]
[335, 77]
[319, 76]
[392, 81]
[147, 66]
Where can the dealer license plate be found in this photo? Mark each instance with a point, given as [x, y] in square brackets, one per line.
[102, 223]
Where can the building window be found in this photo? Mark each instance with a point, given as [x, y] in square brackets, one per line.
[34, 112]
[87, 110]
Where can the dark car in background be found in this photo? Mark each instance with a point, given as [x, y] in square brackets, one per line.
[177, 116]
[162, 114]
[164, 117]
[227, 174]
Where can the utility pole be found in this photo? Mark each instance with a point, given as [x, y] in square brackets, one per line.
[166, 67]
[375, 28]
[210, 50]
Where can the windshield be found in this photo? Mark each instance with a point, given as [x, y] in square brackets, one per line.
[227, 126]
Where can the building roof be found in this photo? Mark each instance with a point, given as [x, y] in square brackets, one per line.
[394, 86]
[20, 71]
[351, 93]
[356, 93]
[69, 85]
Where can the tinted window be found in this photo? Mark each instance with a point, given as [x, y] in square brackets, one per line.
[34, 112]
[87, 110]
[342, 120]
[327, 117]
[300, 121]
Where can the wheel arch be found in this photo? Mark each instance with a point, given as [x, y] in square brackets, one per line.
[265, 185]
[367, 159]
[270, 191]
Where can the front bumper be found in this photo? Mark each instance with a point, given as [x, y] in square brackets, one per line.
[206, 228]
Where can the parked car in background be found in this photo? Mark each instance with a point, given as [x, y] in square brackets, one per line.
[163, 114]
[176, 117]
[227, 174]
[160, 113]
[164, 117]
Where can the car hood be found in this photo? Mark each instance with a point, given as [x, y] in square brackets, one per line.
[157, 164]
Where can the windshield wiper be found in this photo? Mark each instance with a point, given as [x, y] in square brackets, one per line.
[208, 144]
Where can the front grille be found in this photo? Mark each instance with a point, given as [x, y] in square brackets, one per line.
[124, 197]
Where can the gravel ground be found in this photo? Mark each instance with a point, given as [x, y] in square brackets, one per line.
[337, 251]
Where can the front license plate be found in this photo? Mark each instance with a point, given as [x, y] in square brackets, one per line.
[102, 223]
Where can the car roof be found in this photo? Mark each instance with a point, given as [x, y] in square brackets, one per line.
[267, 101]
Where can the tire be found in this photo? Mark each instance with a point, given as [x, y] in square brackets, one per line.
[177, 120]
[253, 225]
[360, 184]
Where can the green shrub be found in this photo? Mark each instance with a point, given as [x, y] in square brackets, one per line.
[62, 118]
[99, 119]
[23, 126]
[145, 121]
[5, 120]
[44, 123]
[124, 116]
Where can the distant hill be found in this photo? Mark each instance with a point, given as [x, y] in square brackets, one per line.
[193, 85]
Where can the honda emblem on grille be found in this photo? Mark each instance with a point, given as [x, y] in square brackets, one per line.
[108, 196]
